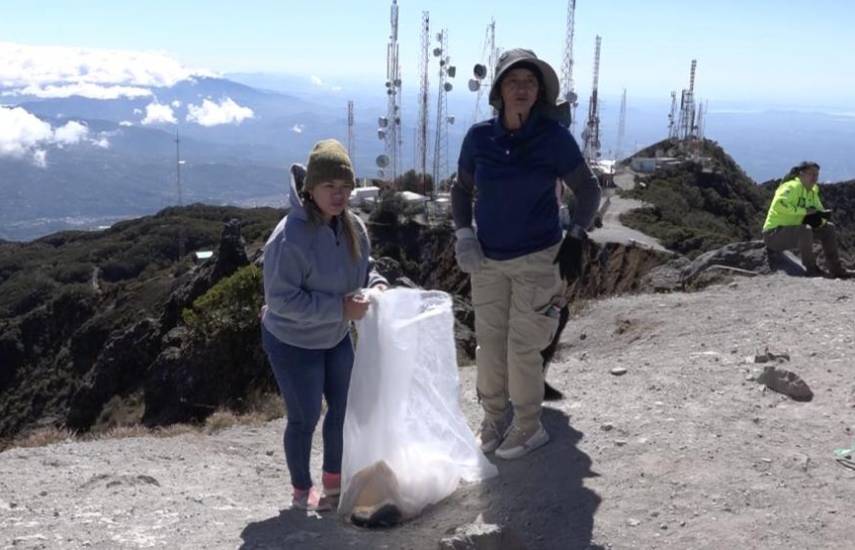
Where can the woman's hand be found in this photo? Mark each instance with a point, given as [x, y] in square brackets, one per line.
[355, 306]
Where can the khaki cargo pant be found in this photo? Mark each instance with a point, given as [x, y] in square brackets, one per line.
[802, 237]
[512, 299]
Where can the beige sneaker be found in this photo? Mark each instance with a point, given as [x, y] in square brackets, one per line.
[491, 434]
[520, 442]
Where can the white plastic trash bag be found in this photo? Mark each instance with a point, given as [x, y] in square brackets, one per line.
[406, 441]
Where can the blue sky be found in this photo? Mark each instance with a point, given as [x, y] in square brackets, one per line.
[770, 53]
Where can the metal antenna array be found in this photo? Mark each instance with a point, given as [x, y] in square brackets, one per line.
[422, 146]
[591, 133]
[350, 142]
[390, 125]
[443, 119]
[182, 237]
[686, 127]
[568, 90]
[703, 110]
[621, 133]
[483, 74]
[672, 117]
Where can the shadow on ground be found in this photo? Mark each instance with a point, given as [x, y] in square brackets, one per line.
[541, 497]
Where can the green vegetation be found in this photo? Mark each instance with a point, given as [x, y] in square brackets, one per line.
[231, 305]
[128, 253]
[699, 206]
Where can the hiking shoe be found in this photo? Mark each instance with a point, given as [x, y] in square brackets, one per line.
[491, 434]
[520, 442]
[309, 500]
[814, 271]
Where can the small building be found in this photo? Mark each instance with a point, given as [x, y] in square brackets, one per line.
[645, 165]
[362, 195]
[202, 256]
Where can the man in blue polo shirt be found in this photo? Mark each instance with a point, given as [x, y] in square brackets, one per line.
[509, 167]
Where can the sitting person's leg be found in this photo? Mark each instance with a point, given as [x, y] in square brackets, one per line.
[826, 234]
[794, 237]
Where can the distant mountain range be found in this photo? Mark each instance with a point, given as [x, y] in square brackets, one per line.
[238, 135]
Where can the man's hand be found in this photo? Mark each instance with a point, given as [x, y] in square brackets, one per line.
[571, 254]
[467, 251]
[814, 218]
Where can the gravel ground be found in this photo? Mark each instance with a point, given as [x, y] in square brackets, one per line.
[683, 450]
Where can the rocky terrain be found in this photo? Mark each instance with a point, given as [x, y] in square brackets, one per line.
[670, 434]
[684, 449]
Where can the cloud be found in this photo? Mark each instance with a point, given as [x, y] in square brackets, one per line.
[73, 132]
[158, 113]
[214, 114]
[40, 158]
[101, 142]
[126, 123]
[316, 80]
[23, 134]
[298, 128]
[87, 89]
[58, 71]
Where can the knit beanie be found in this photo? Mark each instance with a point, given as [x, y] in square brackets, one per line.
[328, 161]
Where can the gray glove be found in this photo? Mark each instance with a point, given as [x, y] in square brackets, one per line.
[467, 251]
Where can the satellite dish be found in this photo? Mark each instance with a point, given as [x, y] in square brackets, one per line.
[439, 36]
[480, 71]
[382, 122]
[437, 52]
[382, 161]
[447, 86]
[452, 70]
[450, 119]
[571, 97]
[474, 85]
[381, 133]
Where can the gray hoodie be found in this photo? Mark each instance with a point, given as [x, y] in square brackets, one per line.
[308, 270]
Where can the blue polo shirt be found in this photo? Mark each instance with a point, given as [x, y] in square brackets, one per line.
[514, 174]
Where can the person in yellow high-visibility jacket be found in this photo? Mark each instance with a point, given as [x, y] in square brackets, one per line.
[797, 218]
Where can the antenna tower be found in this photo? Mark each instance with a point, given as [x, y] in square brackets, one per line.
[178, 162]
[621, 133]
[390, 125]
[422, 147]
[672, 117]
[443, 119]
[350, 142]
[686, 127]
[568, 89]
[591, 133]
[483, 77]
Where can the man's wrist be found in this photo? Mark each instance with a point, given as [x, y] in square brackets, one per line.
[464, 233]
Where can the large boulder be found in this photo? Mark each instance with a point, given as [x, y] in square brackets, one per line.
[746, 257]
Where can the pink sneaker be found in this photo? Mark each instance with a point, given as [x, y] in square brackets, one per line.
[310, 500]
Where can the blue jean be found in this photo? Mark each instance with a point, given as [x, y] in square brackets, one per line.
[303, 376]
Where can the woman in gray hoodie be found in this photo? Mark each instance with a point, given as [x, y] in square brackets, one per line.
[315, 262]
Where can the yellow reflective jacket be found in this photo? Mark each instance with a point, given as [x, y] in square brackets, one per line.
[791, 203]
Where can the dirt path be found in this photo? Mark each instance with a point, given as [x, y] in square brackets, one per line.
[682, 451]
[612, 230]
